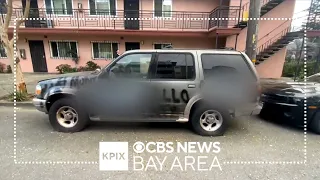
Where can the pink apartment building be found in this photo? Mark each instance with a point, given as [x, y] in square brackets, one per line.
[94, 30]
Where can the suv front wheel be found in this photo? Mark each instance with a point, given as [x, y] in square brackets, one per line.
[66, 115]
[208, 121]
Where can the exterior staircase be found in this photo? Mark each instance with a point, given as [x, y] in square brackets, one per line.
[276, 43]
[267, 5]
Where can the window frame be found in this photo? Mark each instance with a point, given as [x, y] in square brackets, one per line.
[161, 44]
[53, 11]
[57, 41]
[99, 42]
[155, 64]
[109, 15]
[110, 65]
[244, 59]
[154, 16]
[6, 9]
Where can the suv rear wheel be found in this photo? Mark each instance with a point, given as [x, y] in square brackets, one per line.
[65, 115]
[208, 121]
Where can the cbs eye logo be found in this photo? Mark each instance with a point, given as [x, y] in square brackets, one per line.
[139, 147]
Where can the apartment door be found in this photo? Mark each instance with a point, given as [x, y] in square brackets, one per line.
[34, 13]
[132, 45]
[131, 10]
[38, 56]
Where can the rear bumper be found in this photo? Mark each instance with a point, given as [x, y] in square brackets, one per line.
[248, 110]
[40, 104]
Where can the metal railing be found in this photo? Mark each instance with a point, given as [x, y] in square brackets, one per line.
[218, 14]
[274, 39]
[120, 19]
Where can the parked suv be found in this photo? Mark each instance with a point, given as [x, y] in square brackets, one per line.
[206, 88]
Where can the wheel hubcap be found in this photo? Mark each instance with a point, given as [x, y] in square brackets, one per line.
[67, 116]
[211, 120]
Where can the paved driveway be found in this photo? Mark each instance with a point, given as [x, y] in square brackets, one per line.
[248, 139]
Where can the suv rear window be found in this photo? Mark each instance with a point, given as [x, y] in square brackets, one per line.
[226, 64]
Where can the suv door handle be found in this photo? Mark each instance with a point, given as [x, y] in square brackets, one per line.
[191, 85]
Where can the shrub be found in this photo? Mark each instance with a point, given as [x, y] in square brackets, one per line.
[91, 66]
[64, 68]
[289, 69]
[20, 96]
[2, 67]
[81, 68]
[9, 70]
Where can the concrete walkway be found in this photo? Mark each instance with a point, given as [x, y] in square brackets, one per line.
[31, 79]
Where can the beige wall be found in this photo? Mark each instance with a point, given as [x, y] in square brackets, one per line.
[85, 49]
[272, 67]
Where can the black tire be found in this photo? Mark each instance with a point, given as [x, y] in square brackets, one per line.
[264, 113]
[315, 123]
[83, 118]
[195, 121]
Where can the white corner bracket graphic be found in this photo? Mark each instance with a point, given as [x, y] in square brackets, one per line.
[304, 161]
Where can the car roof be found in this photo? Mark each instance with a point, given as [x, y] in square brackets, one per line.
[200, 51]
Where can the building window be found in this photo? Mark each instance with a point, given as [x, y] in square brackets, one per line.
[63, 49]
[175, 66]
[102, 7]
[163, 8]
[59, 7]
[2, 51]
[162, 45]
[104, 50]
[3, 7]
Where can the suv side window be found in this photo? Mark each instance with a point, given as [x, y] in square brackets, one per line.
[175, 66]
[225, 64]
[132, 66]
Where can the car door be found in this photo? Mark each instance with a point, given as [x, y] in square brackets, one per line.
[127, 93]
[174, 79]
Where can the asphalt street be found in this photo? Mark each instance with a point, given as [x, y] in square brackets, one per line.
[248, 139]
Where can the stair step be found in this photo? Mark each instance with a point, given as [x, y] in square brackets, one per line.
[269, 6]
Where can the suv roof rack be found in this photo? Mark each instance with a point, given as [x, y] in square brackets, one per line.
[224, 48]
[168, 47]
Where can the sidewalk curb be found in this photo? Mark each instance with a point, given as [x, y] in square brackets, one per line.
[18, 104]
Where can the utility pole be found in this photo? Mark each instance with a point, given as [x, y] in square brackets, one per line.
[252, 32]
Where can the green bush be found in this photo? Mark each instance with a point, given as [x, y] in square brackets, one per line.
[20, 96]
[91, 66]
[81, 68]
[290, 68]
[64, 68]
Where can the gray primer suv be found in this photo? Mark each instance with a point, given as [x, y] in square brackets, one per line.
[186, 81]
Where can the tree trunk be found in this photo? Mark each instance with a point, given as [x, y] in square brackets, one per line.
[20, 84]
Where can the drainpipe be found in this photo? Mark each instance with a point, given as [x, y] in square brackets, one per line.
[217, 40]
[235, 45]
